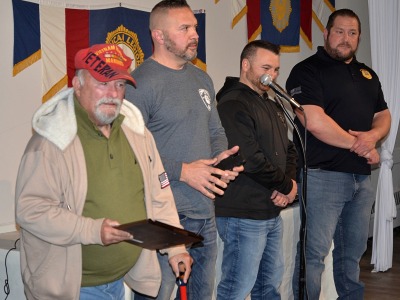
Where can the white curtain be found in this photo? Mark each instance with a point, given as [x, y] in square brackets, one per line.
[385, 51]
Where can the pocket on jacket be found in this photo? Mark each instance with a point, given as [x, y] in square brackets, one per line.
[46, 270]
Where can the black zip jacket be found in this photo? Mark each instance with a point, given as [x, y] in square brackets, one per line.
[258, 126]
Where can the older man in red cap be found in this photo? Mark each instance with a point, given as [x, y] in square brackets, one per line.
[91, 165]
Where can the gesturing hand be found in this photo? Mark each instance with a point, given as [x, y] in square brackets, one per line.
[229, 174]
[199, 175]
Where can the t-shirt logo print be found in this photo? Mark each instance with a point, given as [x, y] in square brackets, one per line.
[205, 96]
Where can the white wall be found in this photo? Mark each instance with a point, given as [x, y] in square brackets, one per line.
[20, 95]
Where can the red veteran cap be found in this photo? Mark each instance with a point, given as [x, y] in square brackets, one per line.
[105, 62]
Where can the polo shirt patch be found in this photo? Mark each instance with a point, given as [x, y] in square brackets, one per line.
[164, 181]
[366, 73]
[295, 91]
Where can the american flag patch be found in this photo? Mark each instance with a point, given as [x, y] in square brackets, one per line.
[163, 180]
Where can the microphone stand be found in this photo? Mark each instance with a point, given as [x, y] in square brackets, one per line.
[302, 200]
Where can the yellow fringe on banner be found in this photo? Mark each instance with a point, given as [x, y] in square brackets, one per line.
[22, 65]
[199, 63]
[329, 5]
[255, 34]
[239, 16]
[318, 21]
[55, 89]
[305, 38]
[290, 49]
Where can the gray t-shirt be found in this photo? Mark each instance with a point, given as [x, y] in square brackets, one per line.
[179, 108]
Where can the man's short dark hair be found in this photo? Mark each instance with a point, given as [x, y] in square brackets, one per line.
[345, 12]
[168, 4]
[250, 49]
[163, 7]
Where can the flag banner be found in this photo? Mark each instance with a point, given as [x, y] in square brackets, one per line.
[200, 61]
[253, 19]
[63, 31]
[26, 35]
[280, 21]
[54, 72]
[276, 16]
[238, 10]
[305, 21]
[331, 4]
[321, 11]
[123, 26]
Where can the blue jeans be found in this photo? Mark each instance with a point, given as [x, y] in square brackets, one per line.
[109, 291]
[201, 281]
[339, 208]
[252, 259]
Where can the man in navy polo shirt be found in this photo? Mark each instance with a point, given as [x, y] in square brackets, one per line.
[346, 115]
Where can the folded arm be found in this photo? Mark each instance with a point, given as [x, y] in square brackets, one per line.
[324, 128]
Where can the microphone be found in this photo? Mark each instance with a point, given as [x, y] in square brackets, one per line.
[266, 79]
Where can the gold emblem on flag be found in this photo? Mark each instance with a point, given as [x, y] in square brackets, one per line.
[280, 12]
[129, 42]
[366, 73]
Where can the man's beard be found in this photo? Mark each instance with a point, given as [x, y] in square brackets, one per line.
[336, 54]
[105, 118]
[185, 54]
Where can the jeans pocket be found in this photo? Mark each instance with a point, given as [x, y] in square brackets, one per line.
[182, 218]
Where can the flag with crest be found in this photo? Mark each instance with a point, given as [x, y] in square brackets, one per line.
[54, 33]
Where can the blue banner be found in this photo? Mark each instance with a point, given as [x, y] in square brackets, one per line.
[123, 26]
[280, 21]
[26, 34]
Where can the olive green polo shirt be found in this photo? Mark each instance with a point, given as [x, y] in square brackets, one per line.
[115, 191]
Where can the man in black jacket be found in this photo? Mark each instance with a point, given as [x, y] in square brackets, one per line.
[248, 214]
